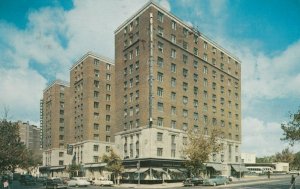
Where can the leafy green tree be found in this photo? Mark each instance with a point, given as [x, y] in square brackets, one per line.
[296, 162]
[286, 156]
[291, 129]
[199, 148]
[13, 152]
[265, 159]
[114, 165]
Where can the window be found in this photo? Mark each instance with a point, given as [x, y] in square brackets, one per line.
[205, 70]
[130, 83]
[195, 77]
[108, 97]
[173, 124]
[184, 72]
[96, 62]
[130, 55]
[213, 61]
[107, 118]
[130, 69]
[108, 87]
[205, 95]
[159, 152]
[107, 138]
[137, 94]
[184, 126]
[96, 104]
[205, 107]
[137, 79]
[205, 45]
[108, 77]
[205, 119]
[185, 86]
[107, 148]
[125, 71]
[185, 113]
[160, 31]
[137, 51]
[107, 128]
[195, 39]
[96, 84]
[96, 73]
[185, 58]
[160, 62]
[160, 106]
[185, 32]
[160, 16]
[173, 23]
[160, 46]
[96, 126]
[196, 51]
[137, 109]
[160, 122]
[196, 116]
[195, 91]
[185, 99]
[195, 103]
[61, 154]
[173, 82]
[173, 96]
[205, 57]
[137, 65]
[173, 110]
[96, 148]
[160, 91]
[173, 53]
[173, 68]
[160, 76]
[173, 38]
[159, 137]
[96, 136]
[185, 45]
[196, 64]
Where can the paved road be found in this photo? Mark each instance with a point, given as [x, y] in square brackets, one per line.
[260, 183]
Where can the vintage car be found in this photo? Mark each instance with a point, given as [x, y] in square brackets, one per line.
[102, 182]
[195, 181]
[216, 180]
[78, 181]
[55, 183]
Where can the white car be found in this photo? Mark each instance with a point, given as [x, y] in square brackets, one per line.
[103, 182]
[294, 172]
[79, 181]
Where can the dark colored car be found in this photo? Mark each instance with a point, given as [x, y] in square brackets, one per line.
[193, 181]
[55, 183]
[27, 180]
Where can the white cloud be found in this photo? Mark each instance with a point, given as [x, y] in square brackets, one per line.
[217, 7]
[262, 138]
[21, 93]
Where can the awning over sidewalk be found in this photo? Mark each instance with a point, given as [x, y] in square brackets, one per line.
[215, 166]
[130, 170]
[142, 170]
[239, 168]
[57, 167]
[175, 171]
[95, 165]
[158, 169]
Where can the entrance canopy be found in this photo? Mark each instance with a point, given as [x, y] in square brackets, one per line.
[215, 166]
[239, 168]
[95, 165]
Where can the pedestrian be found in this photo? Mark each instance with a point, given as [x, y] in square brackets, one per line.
[269, 174]
[6, 184]
[293, 182]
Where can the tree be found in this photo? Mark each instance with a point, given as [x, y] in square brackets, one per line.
[296, 162]
[265, 159]
[12, 150]
[114, 164]
[199, 148]
[291, 129]
[286, 156]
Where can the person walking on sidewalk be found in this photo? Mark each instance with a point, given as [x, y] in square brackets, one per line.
[293, 182]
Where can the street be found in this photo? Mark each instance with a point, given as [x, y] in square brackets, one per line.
[276, 182]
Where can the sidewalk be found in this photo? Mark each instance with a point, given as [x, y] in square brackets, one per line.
[179, 184]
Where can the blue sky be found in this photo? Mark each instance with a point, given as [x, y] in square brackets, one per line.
[40, 40]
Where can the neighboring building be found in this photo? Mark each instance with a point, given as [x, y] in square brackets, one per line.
[171, 78]
[79, 116]
[55, 117]
[248, 157]
[30, 136]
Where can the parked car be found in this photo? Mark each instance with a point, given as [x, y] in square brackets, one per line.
[294, 172]
[102, 182]
[79, 181]
[27, 180]
[55, 183]
[216, 180]
[193, 181]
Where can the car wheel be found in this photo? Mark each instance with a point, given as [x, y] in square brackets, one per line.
[215, 184]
